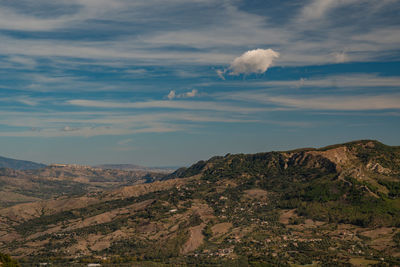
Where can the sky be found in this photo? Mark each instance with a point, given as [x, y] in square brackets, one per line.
[168, 83]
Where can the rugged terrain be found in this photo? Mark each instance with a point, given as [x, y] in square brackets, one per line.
[21, 186]
[337, 205]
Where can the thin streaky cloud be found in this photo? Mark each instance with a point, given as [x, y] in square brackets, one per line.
[185, 105]
[221, 42]
[341, 103]
[360, 80]
[349, 80]
[333, 102]
[88, 132]
[61, 124]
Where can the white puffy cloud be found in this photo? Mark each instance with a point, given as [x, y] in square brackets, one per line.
[341, 57]
[172, 94]
[221, 73]
[253, 61]
[69, 129]
[192, 93]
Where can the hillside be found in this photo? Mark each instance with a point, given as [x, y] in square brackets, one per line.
[21, 186]
[19, 164]
[334, 206]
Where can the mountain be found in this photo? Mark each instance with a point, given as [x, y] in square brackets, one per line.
[132, 167]
[20, 186]
[19, 164]
[334, 206]
[357, 158]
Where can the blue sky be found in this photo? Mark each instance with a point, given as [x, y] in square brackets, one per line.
[167, 83]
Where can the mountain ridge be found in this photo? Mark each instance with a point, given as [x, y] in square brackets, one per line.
[19, 164]
[340, 152]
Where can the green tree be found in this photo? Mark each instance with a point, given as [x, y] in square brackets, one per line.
[7, 261]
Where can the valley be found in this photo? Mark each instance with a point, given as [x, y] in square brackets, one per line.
[57, 180]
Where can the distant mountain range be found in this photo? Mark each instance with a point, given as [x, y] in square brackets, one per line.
[21, 186]
[19, 164]
[133, 167]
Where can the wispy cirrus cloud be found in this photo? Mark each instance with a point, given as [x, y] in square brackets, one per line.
[166, 104]
[88, 132]
[342, 80]
[24, 61]
[33, 16]
[99, 123]
[317, 9]
[377, 102]
[11, 20]
[327, 102]
[350, 81]
[25, 100]
[139, 32]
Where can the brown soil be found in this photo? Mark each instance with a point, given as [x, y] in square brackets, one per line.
[341, 156]
[373, 234]
[286, 215]
[257, 194]
[27, 211]
[221, 229]
[141, 189]
[195, 239]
